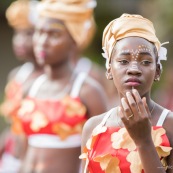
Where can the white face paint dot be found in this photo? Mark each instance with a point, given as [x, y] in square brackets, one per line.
[135, 53]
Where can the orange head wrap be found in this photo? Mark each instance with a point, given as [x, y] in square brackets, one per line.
[21, 14]
[127, 26]
[77, 16]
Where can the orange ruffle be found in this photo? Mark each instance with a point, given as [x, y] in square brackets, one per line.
[12, 100]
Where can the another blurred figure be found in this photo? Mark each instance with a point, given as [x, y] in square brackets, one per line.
[61, 100]
[21, 16]
[99, 73]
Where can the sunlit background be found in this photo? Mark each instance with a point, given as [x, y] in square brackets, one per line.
[158, 11]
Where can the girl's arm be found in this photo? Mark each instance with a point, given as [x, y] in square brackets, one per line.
[139, 128]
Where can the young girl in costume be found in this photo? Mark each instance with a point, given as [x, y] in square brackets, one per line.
[137, 135]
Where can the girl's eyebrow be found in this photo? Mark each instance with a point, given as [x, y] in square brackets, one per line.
[125, 53]
[57, 26]
[145, 53]
[140, 52]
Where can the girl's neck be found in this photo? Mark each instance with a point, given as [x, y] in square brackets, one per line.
[37, 67]
[58, 72]
[151, 105]
[35, 64]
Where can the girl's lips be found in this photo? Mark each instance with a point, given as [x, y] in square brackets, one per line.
[41, 54]
[133, 83]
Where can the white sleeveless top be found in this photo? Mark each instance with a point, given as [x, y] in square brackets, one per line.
[83, 65]
[53, 141]
[160, 122]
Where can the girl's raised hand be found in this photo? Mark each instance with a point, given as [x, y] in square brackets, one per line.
[135, 114]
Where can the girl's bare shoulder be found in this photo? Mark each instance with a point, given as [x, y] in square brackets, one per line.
[94, 121]
[89, 126]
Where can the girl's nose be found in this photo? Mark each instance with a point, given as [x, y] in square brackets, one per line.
[134, 69]
[43, 38]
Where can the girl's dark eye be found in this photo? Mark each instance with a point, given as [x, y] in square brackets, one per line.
[123, 62]
[146, 62]
[29, 33]
[56, 34]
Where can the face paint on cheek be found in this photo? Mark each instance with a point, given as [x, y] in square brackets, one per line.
[152, 67]
[117, 66]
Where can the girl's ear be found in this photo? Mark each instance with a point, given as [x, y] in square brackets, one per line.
[158, 73]
[109, 74]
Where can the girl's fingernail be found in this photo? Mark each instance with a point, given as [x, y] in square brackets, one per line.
[127, 93]
[134, 90]
[123, 99]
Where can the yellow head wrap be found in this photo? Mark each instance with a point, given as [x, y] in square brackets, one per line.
[77, 16]
[21, 14]
[126, 26]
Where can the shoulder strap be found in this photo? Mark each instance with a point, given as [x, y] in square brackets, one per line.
[162, 117]
[24, 72]
[83, 65]
[106, 117]
[77, 84]
[36, 85]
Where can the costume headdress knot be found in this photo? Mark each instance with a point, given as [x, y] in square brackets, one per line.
[76, 14]
[21, 14]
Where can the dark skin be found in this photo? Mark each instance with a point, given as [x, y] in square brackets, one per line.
[54, 47]
[135, 98]
[98, 73]
[23, 50]
[22, 44]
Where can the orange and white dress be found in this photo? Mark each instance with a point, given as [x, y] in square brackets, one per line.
[111, 149]
[52, 123]
[13, 97]
[14, 91]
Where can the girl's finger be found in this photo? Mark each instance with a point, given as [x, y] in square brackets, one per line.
[121, 115]
[126, 109]
[132, 103]
[145, 104]
[140, 104]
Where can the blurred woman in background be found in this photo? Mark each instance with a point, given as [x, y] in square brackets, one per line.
[21, 17]
[62, 99]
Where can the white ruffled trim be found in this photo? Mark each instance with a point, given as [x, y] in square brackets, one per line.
[105, 55]
[33, 13]
[162, 54]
